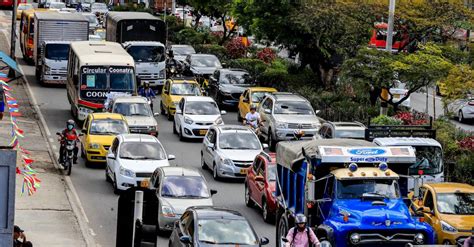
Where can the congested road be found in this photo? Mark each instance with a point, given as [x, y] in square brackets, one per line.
[96, 195]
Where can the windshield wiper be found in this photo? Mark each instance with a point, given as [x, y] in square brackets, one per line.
[372, 194]
[191, 196]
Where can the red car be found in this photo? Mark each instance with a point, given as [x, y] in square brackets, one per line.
[260, 185]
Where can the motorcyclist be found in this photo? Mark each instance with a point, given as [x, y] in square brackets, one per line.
[301, 235]
[172, 63]
[68, 131]
[252, 118]
[79, 7]
[147, 92]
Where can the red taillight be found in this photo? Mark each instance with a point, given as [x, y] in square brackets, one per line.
[30, 41]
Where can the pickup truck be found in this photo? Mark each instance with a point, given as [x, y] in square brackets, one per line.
[350, 192]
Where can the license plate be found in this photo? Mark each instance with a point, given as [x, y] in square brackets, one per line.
[202, 132]
[243, 171]
[144, 183]
[396, 96]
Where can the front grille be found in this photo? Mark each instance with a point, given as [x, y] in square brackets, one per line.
[93, 152]
[299, 126]
[106, 147]
[139, 129]
[143, 174]
[243, 164]
[204, 123]
[387, 237]
[149, 76]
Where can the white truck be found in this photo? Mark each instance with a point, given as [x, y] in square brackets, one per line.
[53, 33]
[143, 36]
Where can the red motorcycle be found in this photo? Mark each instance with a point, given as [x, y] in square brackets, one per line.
[68, 144]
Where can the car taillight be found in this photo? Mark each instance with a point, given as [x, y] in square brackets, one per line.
[30, 41]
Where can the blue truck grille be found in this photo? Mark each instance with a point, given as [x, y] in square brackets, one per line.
[387, 237]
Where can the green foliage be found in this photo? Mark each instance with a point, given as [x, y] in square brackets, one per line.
[458, 83]
[253, 66]
[454, 54]
[386, 120]
[132, 7]
[190, 36]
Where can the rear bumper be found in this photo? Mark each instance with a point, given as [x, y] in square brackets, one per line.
[54, 79]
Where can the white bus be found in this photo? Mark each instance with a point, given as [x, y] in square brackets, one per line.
[95, 69]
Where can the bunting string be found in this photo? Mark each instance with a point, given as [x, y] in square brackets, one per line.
[30, 180]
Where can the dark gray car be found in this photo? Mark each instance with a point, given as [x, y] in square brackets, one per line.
[226, 86]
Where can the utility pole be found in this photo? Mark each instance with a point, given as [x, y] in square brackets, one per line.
[388, 48]
[11, 72]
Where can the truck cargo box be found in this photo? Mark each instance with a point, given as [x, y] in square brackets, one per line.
[135, 26]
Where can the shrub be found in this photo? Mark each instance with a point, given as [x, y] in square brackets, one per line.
[235, 49]
[410, 119]
[467, 143]
[386, 120]
[272, 77]
[267, 55]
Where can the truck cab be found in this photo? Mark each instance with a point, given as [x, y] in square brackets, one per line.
[53, 62]
[350, 192]
[150, 60]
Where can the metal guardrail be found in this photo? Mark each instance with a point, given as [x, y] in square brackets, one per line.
[374, 131]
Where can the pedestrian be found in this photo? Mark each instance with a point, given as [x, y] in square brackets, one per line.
[79, 6]
[301, 235]
[469, 242]
[19, 238]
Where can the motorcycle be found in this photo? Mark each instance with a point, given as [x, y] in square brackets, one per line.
[69, 142]
[255, 129]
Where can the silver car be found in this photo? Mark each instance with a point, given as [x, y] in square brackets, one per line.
[178, 188]
[285, 113]
[353, 130]
[462, 109]
[138, 114]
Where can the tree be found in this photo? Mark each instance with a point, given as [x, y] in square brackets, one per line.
[458, 83]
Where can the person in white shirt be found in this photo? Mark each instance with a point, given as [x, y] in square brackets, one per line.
[252, 118]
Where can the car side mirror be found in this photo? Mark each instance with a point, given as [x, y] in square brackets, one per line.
[156, 114]
[211, 145]
[259, 178]
[265, 146]
[213, 192]
[224, 65]
[264, 241]
[425, 210]
[171, 157]
[267, 111]
[110, 156]
[185, 239]
[223, 112]
[318, 111]
[165, 91]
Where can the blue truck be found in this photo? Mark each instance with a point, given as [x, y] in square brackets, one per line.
[351, 191]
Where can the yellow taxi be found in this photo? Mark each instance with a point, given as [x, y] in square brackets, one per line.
[21, 7]
[175, 89]
[252, 95]
[98, 133]
[448, 208]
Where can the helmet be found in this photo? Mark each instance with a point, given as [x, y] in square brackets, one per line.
[253, 107]
[300, 219]
[170, 53]
[70, 124]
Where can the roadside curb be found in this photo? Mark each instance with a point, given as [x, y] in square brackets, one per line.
[71, 193]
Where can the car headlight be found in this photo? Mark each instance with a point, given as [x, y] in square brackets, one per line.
[218, 121]
[355, 238]
[162, 73]
[228, 162]
[448, 228]
[175, 104]
[315, 125]
[167, 211]
[94, 145]
[152, 128]
[419, 238]
[188, 120]
[282, 125]
[47, 69]
[127, 172]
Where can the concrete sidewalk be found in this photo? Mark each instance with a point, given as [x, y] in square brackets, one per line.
[47, 217]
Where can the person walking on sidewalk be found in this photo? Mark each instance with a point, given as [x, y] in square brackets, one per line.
[301, 235]
[19, 238]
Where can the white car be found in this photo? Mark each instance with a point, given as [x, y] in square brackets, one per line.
[132, 159]
[194, 115]
[229, 150]
[57, 6]
[462, 109]
[399, 92]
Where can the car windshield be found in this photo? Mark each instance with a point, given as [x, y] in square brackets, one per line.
[191, 89]
[428, 159]
[257, 97]
[456, 203]
[57, 51]
[57, 5]
[147, 53]
[133, 109]
[368, 188]
[293, 107]
[271, 173]
[239, 140]
[235, 77]
[142, 151]
[24, 7]
[99, 6]
[92, 19]
[201, 108]
[226, 232]
[183, 50]
[184, 187]
[108, 127]
[205, 61]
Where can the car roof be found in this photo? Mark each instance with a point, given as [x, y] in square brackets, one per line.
[346, 124]
[182, 46]
[227, 70]
[101, 52]
[406, 141]
[199, 98]
[211, 212]
[138, 138]
[232, 128]
[450, 187]
[262, 89]
[107, 115]
[284, 96]
[130, 99]
[202, 55]
[142, 42]
[180, 171]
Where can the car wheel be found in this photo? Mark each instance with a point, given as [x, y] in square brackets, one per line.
[203, 163]
[460, 116]
[170, 117]
[107, 177]
[271, 141]
[215, 175]
[162, 109]
[267, 216]
[174, 127]
[248, 199]
[114, 183]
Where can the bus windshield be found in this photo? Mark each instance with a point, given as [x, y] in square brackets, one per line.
[114, 78]
[428, 159]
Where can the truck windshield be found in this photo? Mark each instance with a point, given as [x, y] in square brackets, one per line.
[456, 203]
[147, 53]
[429, 159]
[355, 189]
[57, 51]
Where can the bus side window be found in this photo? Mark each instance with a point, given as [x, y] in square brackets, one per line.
[75, 76]
[70, 64]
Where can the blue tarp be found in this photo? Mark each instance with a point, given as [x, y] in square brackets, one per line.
[9, 62]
